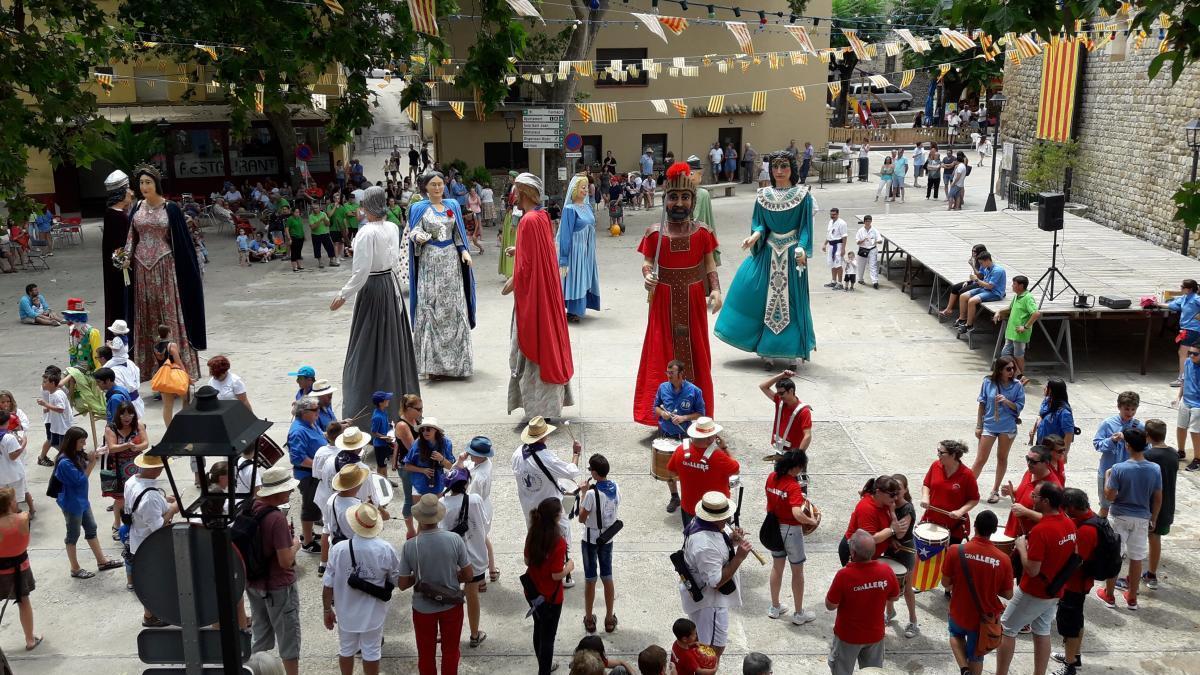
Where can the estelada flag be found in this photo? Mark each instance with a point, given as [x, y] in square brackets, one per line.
[424, 16]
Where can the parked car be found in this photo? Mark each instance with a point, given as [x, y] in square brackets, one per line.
[892, 96]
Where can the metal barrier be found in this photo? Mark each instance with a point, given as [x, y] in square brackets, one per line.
[904, 136]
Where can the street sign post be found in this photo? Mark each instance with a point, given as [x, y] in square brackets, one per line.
[543, 128]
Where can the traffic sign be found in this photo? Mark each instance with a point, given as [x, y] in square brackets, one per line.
[157, 562]
[573, 142]
[543, 128]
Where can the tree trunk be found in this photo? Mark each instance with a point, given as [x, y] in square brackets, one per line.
[845, 72]
[562, 94]
[285, 133]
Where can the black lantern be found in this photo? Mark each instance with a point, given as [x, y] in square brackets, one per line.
[1191, 132]
[510, 121]
[995, 107]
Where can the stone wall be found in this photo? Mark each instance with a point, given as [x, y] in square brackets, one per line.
[1133, 153]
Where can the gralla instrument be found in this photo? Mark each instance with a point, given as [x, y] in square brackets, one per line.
[930, 541]
[660, 455]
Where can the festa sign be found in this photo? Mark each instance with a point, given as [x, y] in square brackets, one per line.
[543, 128]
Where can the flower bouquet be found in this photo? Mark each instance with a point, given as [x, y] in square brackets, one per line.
[120, 260]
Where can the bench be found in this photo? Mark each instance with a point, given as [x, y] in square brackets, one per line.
[727, 187]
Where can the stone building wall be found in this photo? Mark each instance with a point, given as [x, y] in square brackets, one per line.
[1133, 153]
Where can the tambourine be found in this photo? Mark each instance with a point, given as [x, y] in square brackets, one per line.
[812, 511]
[383, 489]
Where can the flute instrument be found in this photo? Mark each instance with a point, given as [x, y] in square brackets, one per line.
[757, 556]
[737, 518]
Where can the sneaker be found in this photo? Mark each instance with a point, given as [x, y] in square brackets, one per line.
[1194, 466]
[569, 582]
[912, 630]
[1131, 601]
[1062, 658]
[802, 617]
[958, 323]
[831, 284]
[673, 504]
[1067, 669]
[774, 611]
[966, 328]
[313, 546]
[1150, 580]
[1122, 584]
[1107, 599]
[875, 285]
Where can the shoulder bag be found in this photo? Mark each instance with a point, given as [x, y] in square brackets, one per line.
[990, 631]
[382, 593]
[433, 592]
[462, 525]
[570, 500]
[606, 535]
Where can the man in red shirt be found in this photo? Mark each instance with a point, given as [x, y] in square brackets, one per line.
[792, 429]
[858, 594]
[702, 464]
[991, 578]
[1079, 586]
[1045, 552]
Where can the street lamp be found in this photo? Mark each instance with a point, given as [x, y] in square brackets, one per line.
[1192, 132]
[996, 103]
[223, 429]
[510, 121]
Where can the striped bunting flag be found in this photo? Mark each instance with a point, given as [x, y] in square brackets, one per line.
[679, 61]
[798, 58]
[906, 78]
[742, 34]
[872, 50]
[879, 81]
[802, 37]
[798, 92]
[722, 67]
[912, 42]
[212, 53]
[523, 8]
[745, 66]
[424, 16]
[959, 41]
[1060, 76]
[1027, 47]
[583, 68]
[652, 24]
[457, 107]
[690, 71]
[334, 6]
[758, 102]
[258, 100]
[835, 88]
[716, 104]
[891, 48]
[1140, 40]
[680, 106]
[675, 24]
[564, 69]
[773, 60]
[105, 80]
[823, 56]
[413, 111]
[584, 113]
[856, 44]
[673, 72]
[660, 106]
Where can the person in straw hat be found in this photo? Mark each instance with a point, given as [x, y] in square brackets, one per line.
[359, 616]
[540, 363]
[703, 464]
[438, 558]
[347, 484]
[713, 558]
[323, 391]
[151, 509]
[275, 598]
[538, 472]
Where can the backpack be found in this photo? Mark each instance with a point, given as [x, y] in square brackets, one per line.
[1105, 560]
[244, 532]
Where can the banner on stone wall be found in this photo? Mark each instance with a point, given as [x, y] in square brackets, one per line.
[1060, 80]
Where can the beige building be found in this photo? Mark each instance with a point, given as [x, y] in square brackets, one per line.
[640, 126]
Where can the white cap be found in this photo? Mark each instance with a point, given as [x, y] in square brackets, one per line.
[116, 180]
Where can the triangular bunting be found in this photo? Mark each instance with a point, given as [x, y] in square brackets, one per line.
[906, 78]
[741, 33]
[335, 7]
[660, 106]
[414, 111]
[584, 113]
[524, 8]
[802, 37]
[675, 24]
[956, 39]
[716, 104]
[423, 14]
[758, 102]
[856, 44]
[835, 88]
[798, 92]
[652, 24]
[879, 81]
[680, 106]
[457, 107]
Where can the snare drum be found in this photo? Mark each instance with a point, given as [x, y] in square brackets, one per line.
[930, 541]
[660, 455]
[269, 452]
[1005, 543]
[810, 509]
[898, 568]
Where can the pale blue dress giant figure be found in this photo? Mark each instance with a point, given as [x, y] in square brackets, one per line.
[577, 251]
[767, 306]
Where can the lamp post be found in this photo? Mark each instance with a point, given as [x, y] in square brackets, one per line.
[223, 429]
[1192, 132]
[996, 103]
[510, 121]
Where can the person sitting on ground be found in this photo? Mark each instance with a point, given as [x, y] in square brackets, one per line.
[652, 661]
[595, 645]
[35, 310]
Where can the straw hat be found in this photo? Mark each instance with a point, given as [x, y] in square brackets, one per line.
[276, 480]
[714, 507]
[145, 461]
[704, 427]
[350, 477]
[322, 388]
[351, 439]
[430, 422]
[536, 430]
[119, 327]
[364, 520]
[428, 510]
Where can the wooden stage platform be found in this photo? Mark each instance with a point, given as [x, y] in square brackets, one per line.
[935, 247]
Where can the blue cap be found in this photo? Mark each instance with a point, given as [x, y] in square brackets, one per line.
[381, 396]
[304, 371]
[480, 446]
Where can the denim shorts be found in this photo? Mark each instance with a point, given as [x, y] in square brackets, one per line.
[985, 294]
[76, 521]
[972, 637]
[592, 553]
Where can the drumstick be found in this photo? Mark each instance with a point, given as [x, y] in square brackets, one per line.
[929, 507]
[567, 428]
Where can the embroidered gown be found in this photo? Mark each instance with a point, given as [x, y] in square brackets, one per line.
[441, 320]
[767, 309]
[577, 252]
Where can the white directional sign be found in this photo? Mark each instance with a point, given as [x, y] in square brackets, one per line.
[543, 128]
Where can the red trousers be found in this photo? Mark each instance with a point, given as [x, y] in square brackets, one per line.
[427, 627]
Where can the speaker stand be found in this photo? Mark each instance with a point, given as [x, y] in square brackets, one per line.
[1048, 278]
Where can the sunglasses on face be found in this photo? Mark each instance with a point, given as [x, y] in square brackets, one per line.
[1032, 460]
[1193, 353]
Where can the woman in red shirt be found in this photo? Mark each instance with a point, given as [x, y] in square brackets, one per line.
[1058, 448]
[950, 486]
[16, 579]
[785, 500]
[874, 514]
[1023, 517]
[545, 556]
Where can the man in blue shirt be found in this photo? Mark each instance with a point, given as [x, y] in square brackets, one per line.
[677, 403]
[899, 170]
[1109, 440]
[34, 309]
[114, 394]
[1188, 306]
[990, 286]
[380, 426]
[305, 377]
[1187, 422]
[647, 162]
[1135, 489]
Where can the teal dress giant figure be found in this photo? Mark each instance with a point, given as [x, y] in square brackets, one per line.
[767, 310]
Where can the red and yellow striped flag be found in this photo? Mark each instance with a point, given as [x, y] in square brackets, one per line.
[423, 14]
[660, 106]
[879, 81]
[758, 102]
[1060, 78]
[906, 78]
[680, 106]
[742, 34]
[414, 111]
[943, 68]
[334, 6]
[1027, 47]
[959, 41]
[798, 92]
[835, 88]
[675, 24]
[716, 104]
[604, 113]
[802, 37]
[927, 574]
[584, 114]
[856, 44]
[457, 107]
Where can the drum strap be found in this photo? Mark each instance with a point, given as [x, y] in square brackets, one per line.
[962, 558]
[791, 420]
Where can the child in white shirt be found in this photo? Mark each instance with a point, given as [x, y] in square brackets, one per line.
[851, 274]
[243, 244]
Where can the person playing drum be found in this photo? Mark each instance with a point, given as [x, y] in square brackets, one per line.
[874, 514]
[949, 491]
[903, 551]
[1023, 516]
[676, 405]
[703, 464]
[792, 429]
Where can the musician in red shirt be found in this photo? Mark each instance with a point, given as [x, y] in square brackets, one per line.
[1058, 456]
[949, 486]
[703, 464]
[858, 594]
[991, 578]
[1024, 516]
[1044, 552]
[875, 514]
[792, 429]
[1079, 585]
[785, 500]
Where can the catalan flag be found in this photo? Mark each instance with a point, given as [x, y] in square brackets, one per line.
[879, 81]
[906, 78]
[913, 42]
[742, 34]
[958, 40]
[927, 574]
[604, 113]
[457, 107]
[835, 88]
[660, 106]
[891, 48]
[798, 92]
[758, 102]
[258, 101]
[943, 68]
[334, 6]
[1060, 79]
[584, 113]
[716, 104]
[212, 53]
[524, 8]
[680, 106]
[675, 24]
[856, 44]
[414, 111]
[423, 14]
[652, 24]
[1027, 47]
[802, 37]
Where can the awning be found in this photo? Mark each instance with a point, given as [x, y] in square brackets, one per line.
[183, 113]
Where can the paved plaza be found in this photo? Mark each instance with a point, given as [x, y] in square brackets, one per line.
[887, 382]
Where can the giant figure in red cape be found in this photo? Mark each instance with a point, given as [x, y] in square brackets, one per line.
[540, 365]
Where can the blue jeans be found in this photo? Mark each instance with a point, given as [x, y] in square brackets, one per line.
[592, 553]
[406, 480]
[77, 520]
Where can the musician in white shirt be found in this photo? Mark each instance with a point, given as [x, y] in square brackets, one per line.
[534, 484]
[713, 558]
[868, 238]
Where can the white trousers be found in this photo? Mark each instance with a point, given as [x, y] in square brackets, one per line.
[871, 259]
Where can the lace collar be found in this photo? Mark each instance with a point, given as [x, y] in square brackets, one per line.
[774, 199]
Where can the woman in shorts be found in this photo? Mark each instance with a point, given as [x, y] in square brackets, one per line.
[1001, 398]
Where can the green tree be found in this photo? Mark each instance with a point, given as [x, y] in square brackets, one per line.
[849, 14]
[46, 55]
[128, 148]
